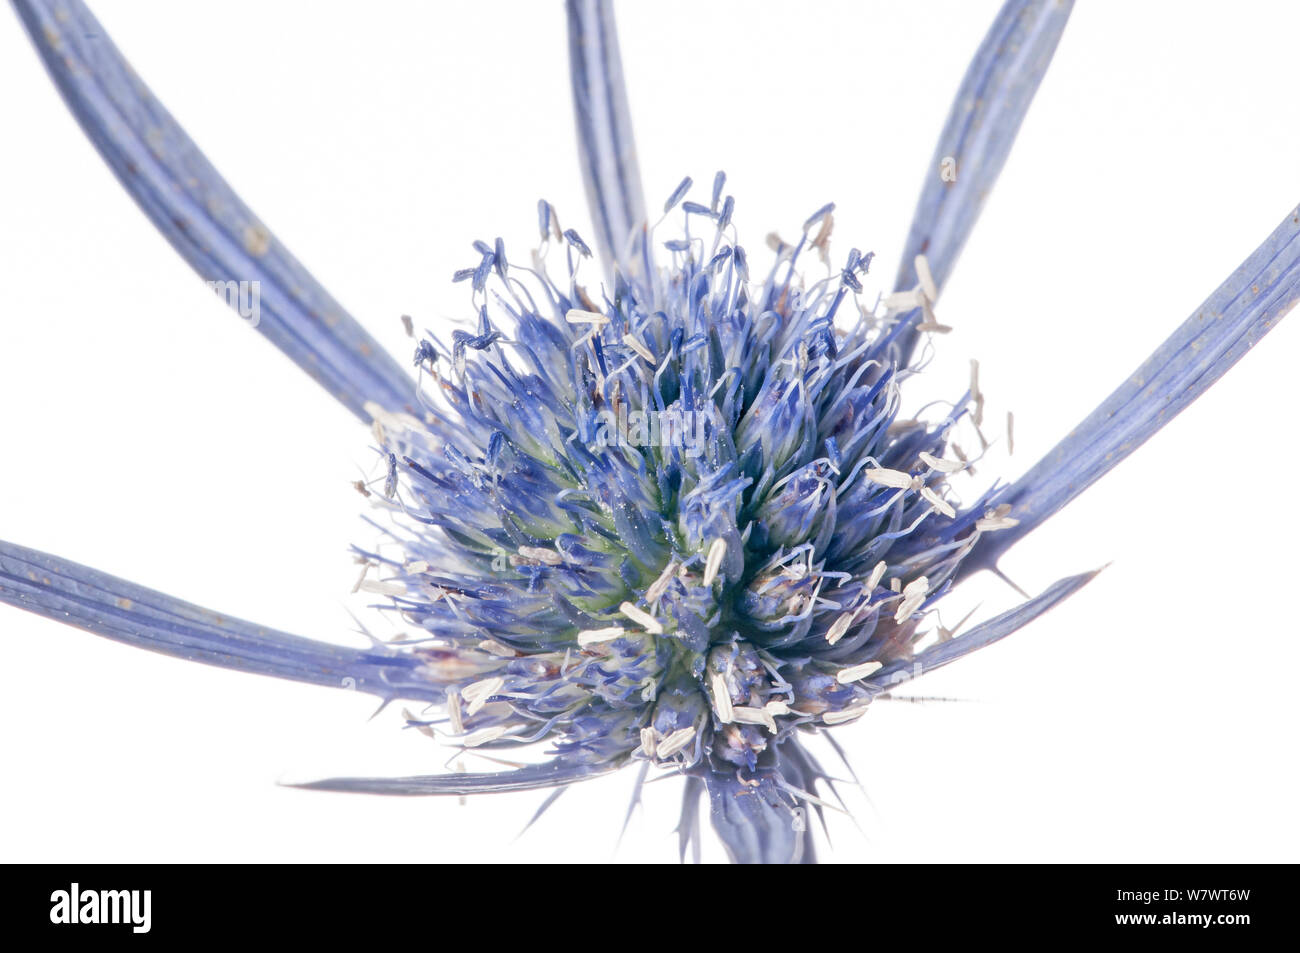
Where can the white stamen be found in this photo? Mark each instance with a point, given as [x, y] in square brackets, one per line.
[1011, 433]
[453, 712]
[577, 316]
[938, 502]
[877, 574]
[649, 740]
[493, 647]
[642, 618]
[722, 698]
[934, 327]
[848, 676]
[940, 464]
[479, 692]
[839, 627]
[649, 688]
[756, 716]
[675, 742]
[776, 707]
[660, 585]
[591, 636]
[903, 301]
[417, 566]
[926, 276]
[840, 717]
[914, 594]
[992, 524]
[714, 561]
[641, 350]
[886, 477]
[978, 416]
[383, 588]
[484, 735]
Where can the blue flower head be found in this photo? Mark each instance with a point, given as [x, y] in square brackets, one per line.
[656, 503]
[679, 520]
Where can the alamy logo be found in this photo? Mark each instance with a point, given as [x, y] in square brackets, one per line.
[651, 428]
[102, 906]
[244, 296]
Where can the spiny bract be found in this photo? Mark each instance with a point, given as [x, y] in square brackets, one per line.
[679, 524]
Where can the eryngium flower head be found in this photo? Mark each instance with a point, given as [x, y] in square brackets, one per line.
[678, 520]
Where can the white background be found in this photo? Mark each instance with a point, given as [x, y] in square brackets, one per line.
[148, 432]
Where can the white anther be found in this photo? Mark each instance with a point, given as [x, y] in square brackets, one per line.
[649, 741]
[903, 301]
[886, 477]
[848, 676]
[744, 715]
[722, 698]
[382, 588]
[577, 316]
[493, 647]
[992, 524]
[877, 574]
[938, 502]
[453, 712]
[840, 717]
[839, 627]
[675, 742]
[660, 585]
[714, 561]
[926, 277]
[940, 464]
[591, 636]
[484, 735]
[641, 350]
[914, 594]
[479, 692]
[777, 707]
[642, 618]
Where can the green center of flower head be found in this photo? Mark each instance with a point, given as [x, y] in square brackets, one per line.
[676, 519]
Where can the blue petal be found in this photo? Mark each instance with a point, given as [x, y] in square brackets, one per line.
[605, 145]
[982, 635]
[194, 208]
[1226, 325]
[986, 115]
[122, 611]
[528, 778]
